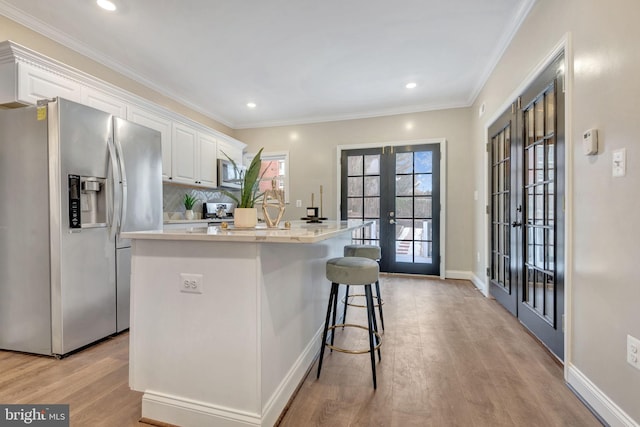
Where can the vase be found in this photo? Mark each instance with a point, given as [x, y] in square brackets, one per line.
[245, 217]
[188, 214]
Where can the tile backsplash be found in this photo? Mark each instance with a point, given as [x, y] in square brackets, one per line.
[173, 195]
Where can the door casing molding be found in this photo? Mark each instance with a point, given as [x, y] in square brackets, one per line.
[443, 183]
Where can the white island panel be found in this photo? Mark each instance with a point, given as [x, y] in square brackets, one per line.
[233, 355]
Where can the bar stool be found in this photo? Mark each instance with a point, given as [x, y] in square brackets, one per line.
[366, 251]
[352, 271]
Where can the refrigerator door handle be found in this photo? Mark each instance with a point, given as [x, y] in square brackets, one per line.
[114, 221]
[123, 185]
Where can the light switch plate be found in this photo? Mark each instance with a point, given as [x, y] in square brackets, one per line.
[590, 142]
[619, 162]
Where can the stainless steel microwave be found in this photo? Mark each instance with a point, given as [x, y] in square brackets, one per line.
[228, 176]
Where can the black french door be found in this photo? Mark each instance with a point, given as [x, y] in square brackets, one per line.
[398, 188]
[526, 152]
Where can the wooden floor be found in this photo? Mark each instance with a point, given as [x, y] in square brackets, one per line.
[450, 357]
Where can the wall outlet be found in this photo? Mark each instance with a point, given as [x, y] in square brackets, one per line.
[633, 351]
[298, 203]
[190, 283]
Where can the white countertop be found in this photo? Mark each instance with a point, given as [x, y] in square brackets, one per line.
[300, 232]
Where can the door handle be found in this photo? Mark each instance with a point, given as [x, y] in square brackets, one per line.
[392, 221]
[515, 224]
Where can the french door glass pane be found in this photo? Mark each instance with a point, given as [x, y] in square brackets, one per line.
[371, 207]
[422, 207]
[354, 208]
[355, 165]
[404, 185]
[404, 207]
[354, 186]
[372, 185]
[540, 205]
[423, 184]
[372, 164]
[423, 162]
[404, 163]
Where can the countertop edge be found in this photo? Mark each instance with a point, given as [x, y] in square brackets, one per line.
[299, 233]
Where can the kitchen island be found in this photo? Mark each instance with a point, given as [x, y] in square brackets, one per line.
[226, 323]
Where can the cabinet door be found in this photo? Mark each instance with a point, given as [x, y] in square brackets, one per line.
[230, 149]
[104, 102]
[35, 83]
[161, 124]
[184, 161]
[207, 175]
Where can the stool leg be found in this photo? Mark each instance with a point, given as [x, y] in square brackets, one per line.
[335, 306]
[379, 304]
[334, 289]
[346, 303]
[375, 323]
[370, 313]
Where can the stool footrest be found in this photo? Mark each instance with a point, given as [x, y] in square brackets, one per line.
[380, 301]
[351, 325]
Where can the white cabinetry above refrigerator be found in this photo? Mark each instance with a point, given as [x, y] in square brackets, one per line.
[27, 76]
[25, 84]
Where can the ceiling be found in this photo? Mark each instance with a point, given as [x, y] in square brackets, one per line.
[298, 61]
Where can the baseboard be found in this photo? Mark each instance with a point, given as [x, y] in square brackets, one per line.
[471, 276]
[185, 412]
[599, 402]
[280, 398]
[455, 274]
[480, 284]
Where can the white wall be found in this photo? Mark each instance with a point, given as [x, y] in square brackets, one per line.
[313, 163]
[605, 238]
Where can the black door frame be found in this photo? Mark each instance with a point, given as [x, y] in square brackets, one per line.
[442, 142]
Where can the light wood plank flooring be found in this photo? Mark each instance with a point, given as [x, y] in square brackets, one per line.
[450, 357]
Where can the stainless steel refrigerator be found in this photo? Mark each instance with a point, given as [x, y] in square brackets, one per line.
[71, 179]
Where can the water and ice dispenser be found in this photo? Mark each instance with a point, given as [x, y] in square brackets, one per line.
[87, 202]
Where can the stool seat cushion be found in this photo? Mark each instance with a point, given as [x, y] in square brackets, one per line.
[352, 270]
[365, 251]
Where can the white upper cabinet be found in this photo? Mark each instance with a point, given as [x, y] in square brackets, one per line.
[194, 157]
[105, 102]
[163, 125]
[35, 83]
[184, 159]
[207, 173]
[231, 149]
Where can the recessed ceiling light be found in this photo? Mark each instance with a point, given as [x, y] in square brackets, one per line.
[251, 104]
[411, 85]
[106, 5]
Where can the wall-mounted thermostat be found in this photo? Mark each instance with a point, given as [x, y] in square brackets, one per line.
[590, 142]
